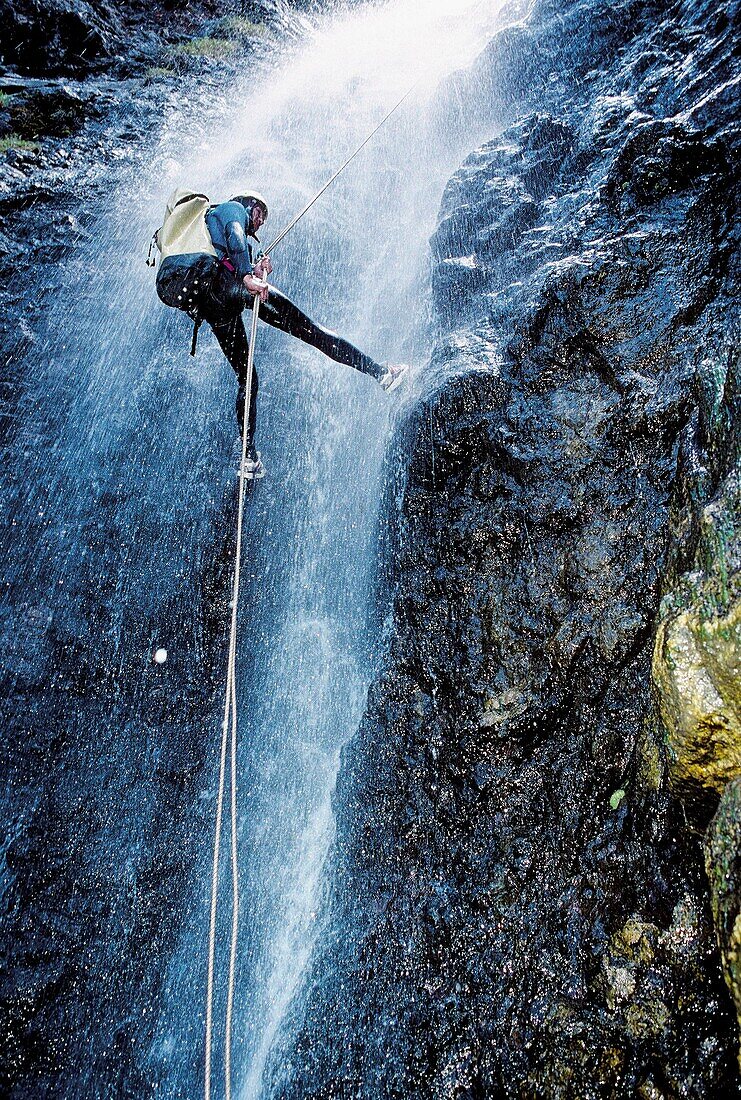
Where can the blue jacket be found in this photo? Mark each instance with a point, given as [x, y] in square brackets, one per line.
[228, 226]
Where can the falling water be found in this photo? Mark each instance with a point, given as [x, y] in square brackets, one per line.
[358, 260]
[134, 421]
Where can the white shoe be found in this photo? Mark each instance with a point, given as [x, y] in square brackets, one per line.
[252, 468]
[393, 376]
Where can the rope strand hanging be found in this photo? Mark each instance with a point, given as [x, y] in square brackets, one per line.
[340, 170]
[479, 4]
[229, 748]
[229, 725]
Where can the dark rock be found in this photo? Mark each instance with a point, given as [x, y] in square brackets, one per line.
[8, 247]
[57, 36]
[723, 865]
[517, 906]
[58, 112]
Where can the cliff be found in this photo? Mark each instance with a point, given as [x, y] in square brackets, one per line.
[517, 900]
[534, 888]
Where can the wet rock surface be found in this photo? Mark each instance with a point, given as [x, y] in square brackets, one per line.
[52, 36]
[697, 674]
[102, 822]
[73, 38]
[723, 865]
[517, 904]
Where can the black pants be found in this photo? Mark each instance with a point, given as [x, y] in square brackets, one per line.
[222, 305]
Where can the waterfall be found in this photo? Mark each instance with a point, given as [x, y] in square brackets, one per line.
[129, 467]
[357, 262]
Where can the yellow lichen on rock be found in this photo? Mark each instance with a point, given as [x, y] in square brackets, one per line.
[696, 665]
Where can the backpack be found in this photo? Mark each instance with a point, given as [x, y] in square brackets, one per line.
[184, 233]
[183, 230]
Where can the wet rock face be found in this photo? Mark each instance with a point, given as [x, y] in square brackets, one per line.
[697, 654]
[76, 38]
[54, 111]
[57, 36]
[697, 673]
[517, 906]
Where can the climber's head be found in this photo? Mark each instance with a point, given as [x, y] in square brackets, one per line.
[255, 206]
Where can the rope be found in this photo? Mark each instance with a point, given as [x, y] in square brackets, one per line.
[229, 748]
[229, 725]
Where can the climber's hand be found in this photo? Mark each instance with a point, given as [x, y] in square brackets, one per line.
[263, 267]
[257, 286]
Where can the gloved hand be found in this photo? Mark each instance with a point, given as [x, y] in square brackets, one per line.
[257, 286]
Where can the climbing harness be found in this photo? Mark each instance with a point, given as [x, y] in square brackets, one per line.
[229, 749]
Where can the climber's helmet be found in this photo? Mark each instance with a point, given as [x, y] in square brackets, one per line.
[255, 206]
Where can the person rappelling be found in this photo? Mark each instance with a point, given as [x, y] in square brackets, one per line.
[214, 268]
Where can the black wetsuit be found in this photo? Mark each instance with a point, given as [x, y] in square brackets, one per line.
[211, 289]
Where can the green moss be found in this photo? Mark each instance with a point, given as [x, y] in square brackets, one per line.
[15, 141]
[648, 1020]
[696, 671]
[651, 755]
[158, 72]
[647, 1090]
[4, 101]
[636, 941]
[236, 26]
[612, 1061]
[207, 47]
[718, 537]
[229, 36]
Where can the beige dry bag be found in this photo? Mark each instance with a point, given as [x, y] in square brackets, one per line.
[184, 229]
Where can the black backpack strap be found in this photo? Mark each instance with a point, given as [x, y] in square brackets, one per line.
[194, 342]
[151, 260]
